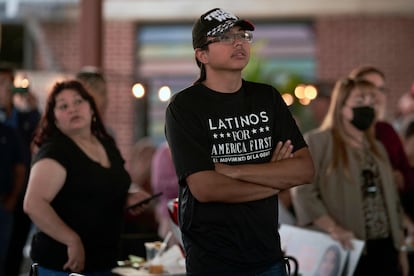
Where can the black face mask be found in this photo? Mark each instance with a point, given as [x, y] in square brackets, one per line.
[363, 117]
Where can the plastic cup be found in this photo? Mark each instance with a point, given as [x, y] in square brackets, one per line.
[151, 249]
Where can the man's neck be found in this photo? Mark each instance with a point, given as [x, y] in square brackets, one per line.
[224, 82]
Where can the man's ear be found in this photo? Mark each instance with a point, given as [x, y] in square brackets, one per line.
[201, 55]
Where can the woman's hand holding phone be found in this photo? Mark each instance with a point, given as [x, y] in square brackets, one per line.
[137, 202]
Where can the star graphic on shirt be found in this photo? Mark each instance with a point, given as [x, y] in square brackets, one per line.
[215, 135]
[261, 129]
[254, 131]
[222, 135]
[228, 134]
[267, 128]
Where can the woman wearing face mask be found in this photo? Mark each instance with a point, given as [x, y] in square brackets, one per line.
[353, 193]
[385, 132]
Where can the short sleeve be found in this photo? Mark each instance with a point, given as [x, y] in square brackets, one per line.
[187, 140]
[53, 150]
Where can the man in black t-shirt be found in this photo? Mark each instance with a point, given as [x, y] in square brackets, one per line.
[235, 145]
[12, 172]
[24, 121]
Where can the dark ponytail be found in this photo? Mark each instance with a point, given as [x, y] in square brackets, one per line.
[203, 74]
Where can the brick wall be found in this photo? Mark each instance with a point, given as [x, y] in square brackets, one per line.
[62, 42]
[118, 65]
[118, 62]
[344, 42]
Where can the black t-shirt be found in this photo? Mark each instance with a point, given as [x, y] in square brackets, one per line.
[204, 127]
[11, 154]
[91, 202]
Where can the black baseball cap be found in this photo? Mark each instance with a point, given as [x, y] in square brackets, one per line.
[214, 23]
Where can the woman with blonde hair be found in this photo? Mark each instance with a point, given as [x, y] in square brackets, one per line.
[353, 193]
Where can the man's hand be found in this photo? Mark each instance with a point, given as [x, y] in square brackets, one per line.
[282, 151]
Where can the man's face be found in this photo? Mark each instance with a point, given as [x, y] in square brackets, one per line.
[6, 84]
[230, 51]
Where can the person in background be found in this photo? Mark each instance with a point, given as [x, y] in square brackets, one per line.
[319, 107]
[164, 179]
[142, 228]
[408, 197]
[353, 194]
[12, 177]
[94, 81]
[78, 187]
[141, 162]
[386, 134]
[408, 142]
[405, 110]
[384, 131]
[234, 144]
[24, 121]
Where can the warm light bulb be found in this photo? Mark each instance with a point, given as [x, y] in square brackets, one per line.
[305, 101]
[300, 91]
[288, 98]
[24, 83]
[164, 93]
[138, 90]
[310, 92]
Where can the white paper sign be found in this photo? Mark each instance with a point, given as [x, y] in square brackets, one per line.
[317, 253]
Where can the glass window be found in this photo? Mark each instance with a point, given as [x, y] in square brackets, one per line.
[283, 54]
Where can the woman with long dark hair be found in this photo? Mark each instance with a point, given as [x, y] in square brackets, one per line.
[78, 187]
[353, 194]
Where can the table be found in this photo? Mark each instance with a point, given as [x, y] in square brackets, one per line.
[130, 271]
[172, 260]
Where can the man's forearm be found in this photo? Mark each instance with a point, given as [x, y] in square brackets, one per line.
[282, 174]
[210, 186]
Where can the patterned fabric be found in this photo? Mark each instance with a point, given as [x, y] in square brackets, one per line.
[215, 22]
[377, 225]
[339, 193]
[220, 28]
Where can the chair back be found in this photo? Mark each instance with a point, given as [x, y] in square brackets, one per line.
[292, 265]
[33, 270]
